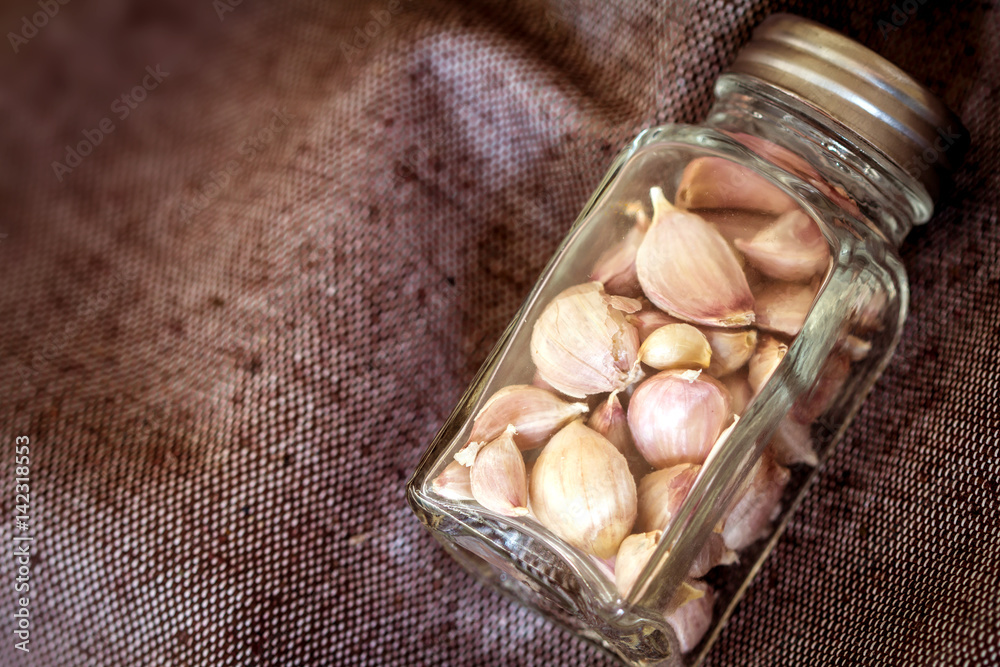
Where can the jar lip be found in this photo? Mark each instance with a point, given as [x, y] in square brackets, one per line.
[861, 90]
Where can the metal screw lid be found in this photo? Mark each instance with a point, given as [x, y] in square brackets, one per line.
[863, 91]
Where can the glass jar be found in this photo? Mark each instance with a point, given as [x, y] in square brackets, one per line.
[634, 444]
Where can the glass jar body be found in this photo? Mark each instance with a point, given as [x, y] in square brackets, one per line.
[827, 300]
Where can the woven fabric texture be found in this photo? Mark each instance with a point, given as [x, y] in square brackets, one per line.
[252, 253]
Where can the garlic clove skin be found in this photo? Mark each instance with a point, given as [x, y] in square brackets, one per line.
[633, 554]
[535, 413]
[453, 483]
[713, 182]
[825, 390]
[582, 345]
[714, 553]
[792, 249]
[792, 444]
[783, 307]
[735, 225]
[770, 351]
[690, 621]
[740, 393]
[498, 478]
[676, 417]
[610, 420]
[731, 349]
[582, 490]
[649, 319]
[615, 269]
[757, 506]
[687, 269]
[676, 346]
[660, 495]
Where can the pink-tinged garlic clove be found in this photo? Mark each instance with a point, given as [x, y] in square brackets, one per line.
[660, 495]
[731, 349]
[615, 269]
[783, 307]
[825, 390]
[770, 351]
[712, 182]
[535, 413]
[757, 506]
[453, 482]
[498, 477]
[676, 417]
[582, 490]
[649, 319]
[792, 444]
[735, 225]
[740, 392]
[610, 420]
[792, 249]
[691, 620]
[714, 553]
[687, 269]
[582, 345]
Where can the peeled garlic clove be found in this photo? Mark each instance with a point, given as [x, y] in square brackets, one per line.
[453, 482]
[791, 249]
[676, 346]
[582, 345]
[832, 377]
[535, 413]
[770, 351]
[759, 504]
[740, 393]
[498, 478]
[615, 269]
[649, 319]
[691, 620]
[676, 416]
[686, 268]
[582, 490]
[792, 444]
[661, 493]
[712, 182]
[633, 554]
[610, 420]
[730, 349]
[782, 307]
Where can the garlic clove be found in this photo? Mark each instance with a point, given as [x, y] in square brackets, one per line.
[633, 554]
[676, 417]
[676, 346]
[855, 348]
[735, 225]
[498, 478]
[825, 390]
[649, 319]
[783, 307]
[453, 482]
[660, 495]
[615, 269]
[686, 268]
[731, 349]
[610, 420]
[792, 248]
[740, 393]
[535, 413]
[712, 182]
[712, 554]
[690, 621]
[582, 345]
[582, 490]
[792, 444]
[757, 506]
[770, 351]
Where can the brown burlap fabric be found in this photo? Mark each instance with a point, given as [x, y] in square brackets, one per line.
[232, 326]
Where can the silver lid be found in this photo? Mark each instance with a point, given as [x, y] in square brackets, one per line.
[863, 91]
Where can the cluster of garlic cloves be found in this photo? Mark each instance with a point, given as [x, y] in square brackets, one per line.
[645, 370]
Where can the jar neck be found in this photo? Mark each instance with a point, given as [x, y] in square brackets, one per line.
[808, 143]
